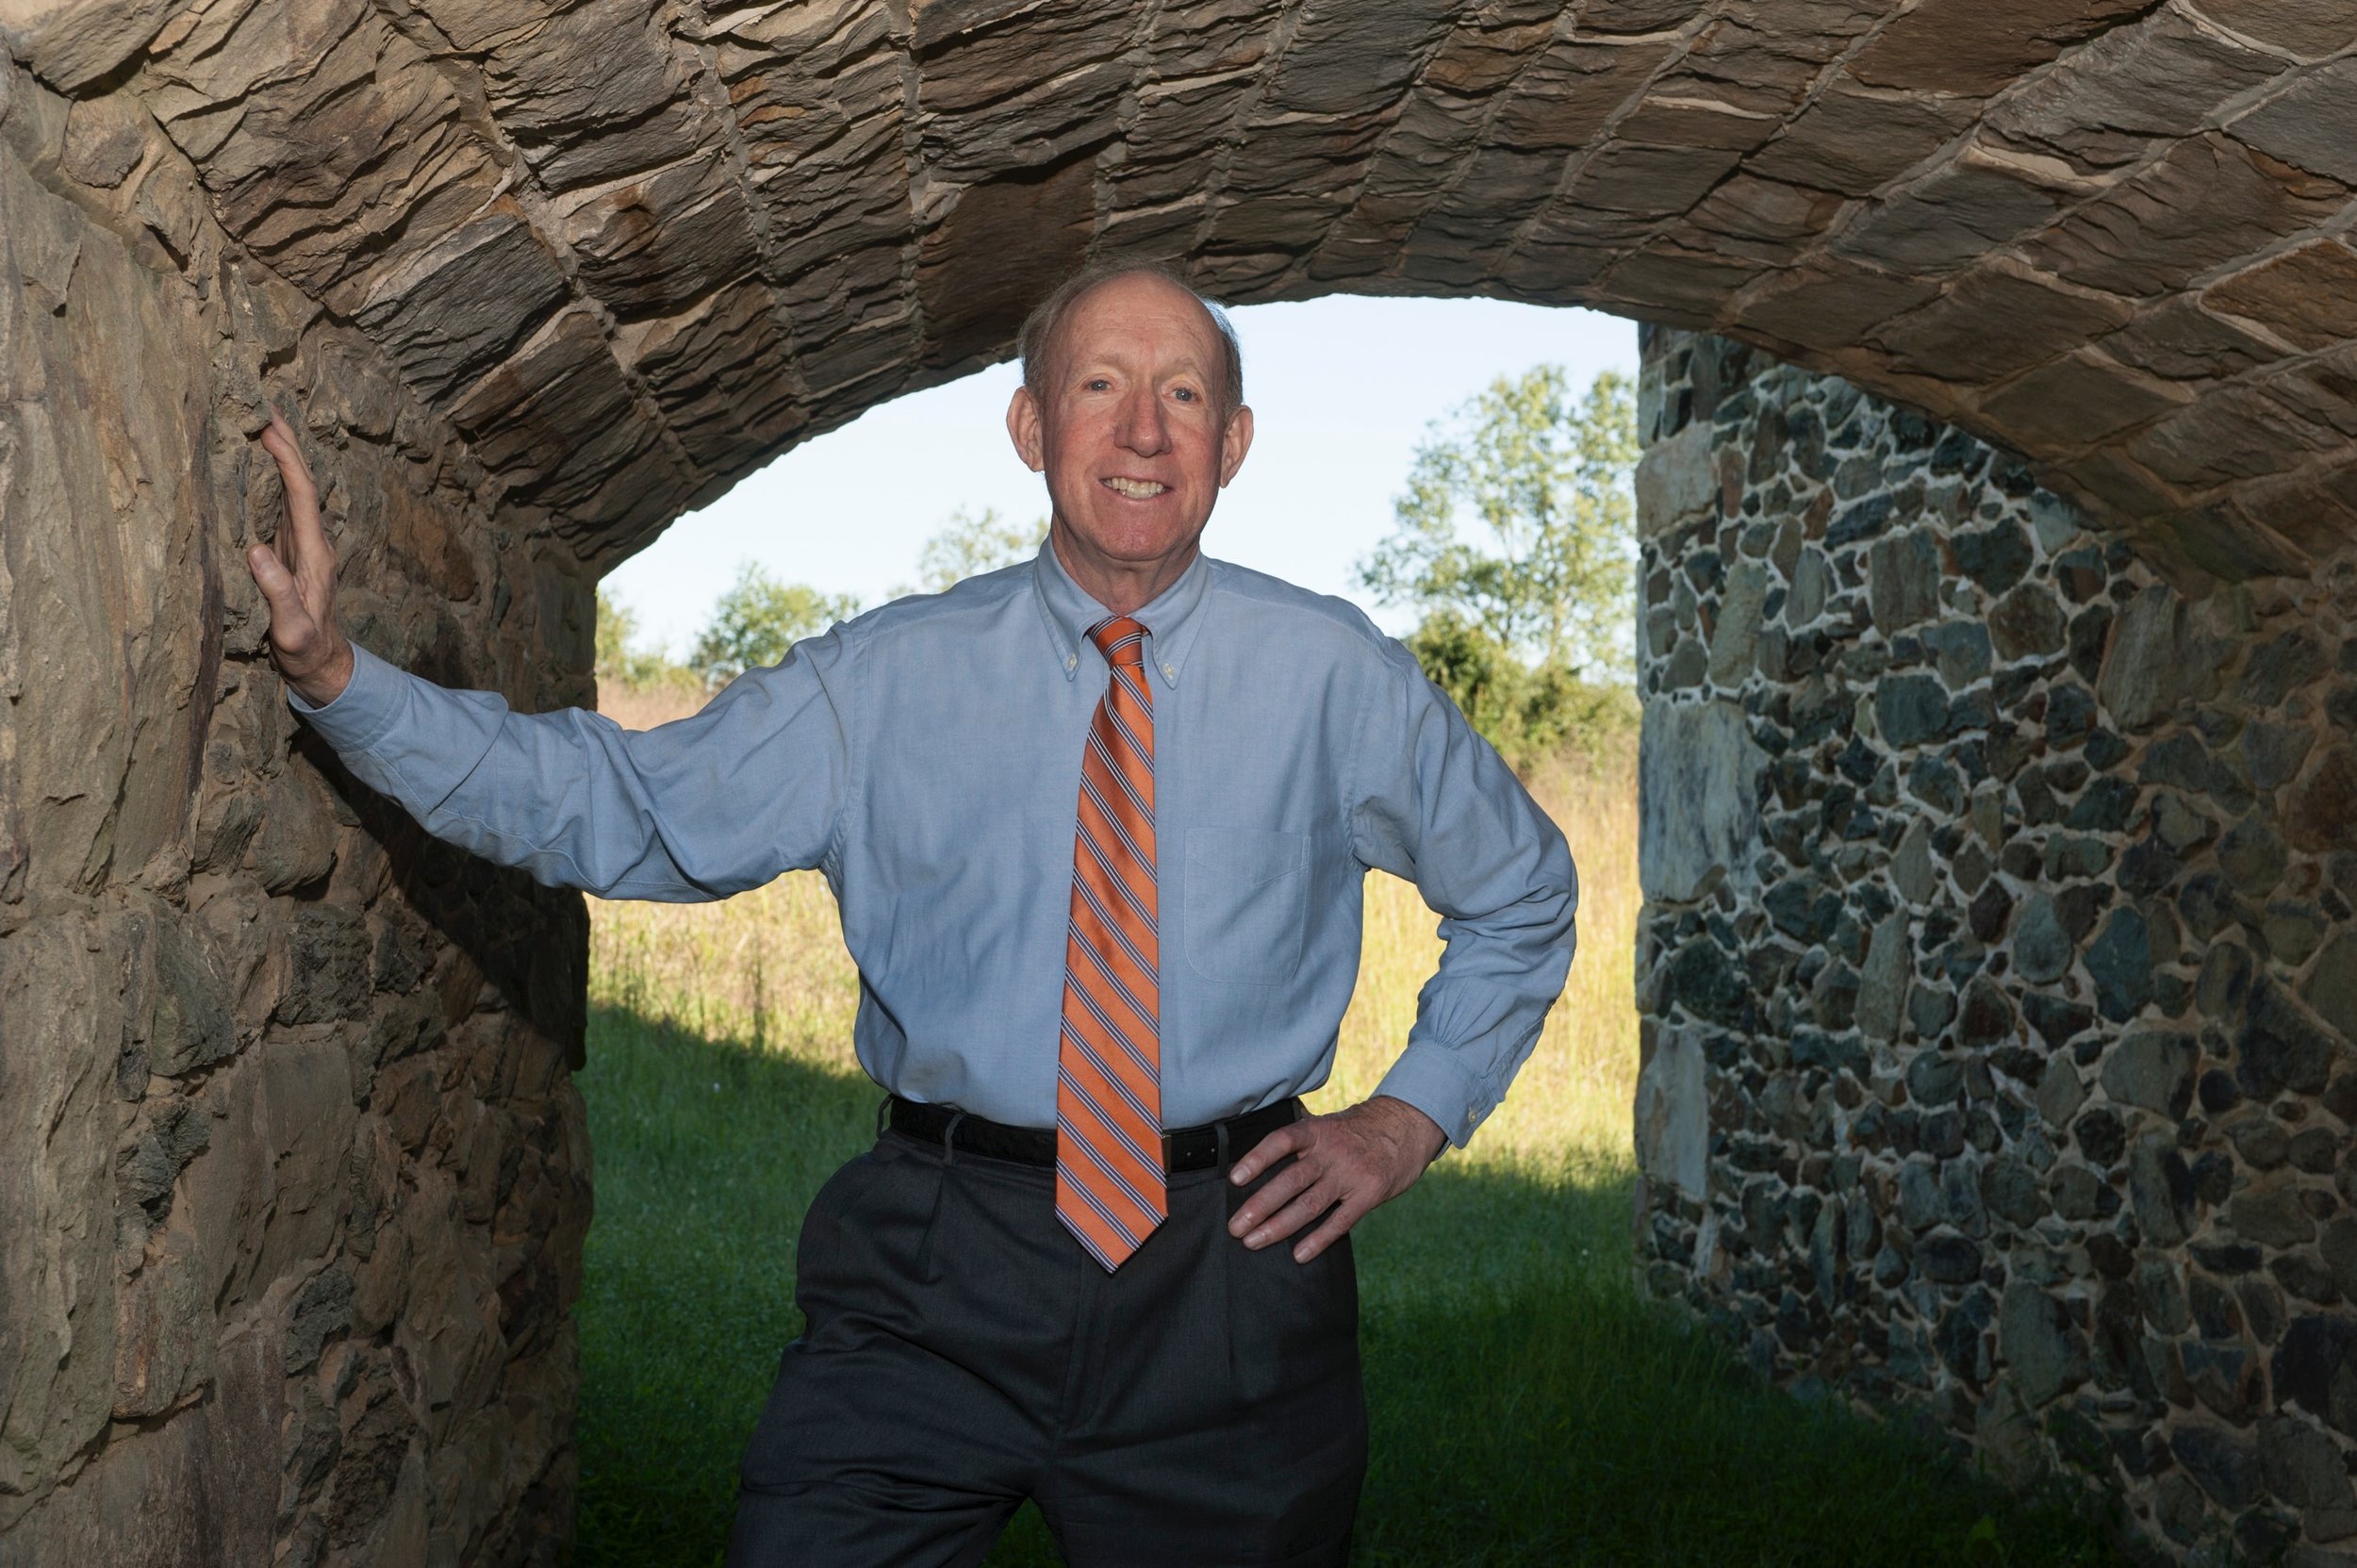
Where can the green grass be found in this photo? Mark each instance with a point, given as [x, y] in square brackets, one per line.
[1526, 1406]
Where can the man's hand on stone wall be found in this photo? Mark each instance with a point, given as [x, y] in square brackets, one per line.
[1348, 1162]
[299, 580]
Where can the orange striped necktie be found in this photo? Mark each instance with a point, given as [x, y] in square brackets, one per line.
[1109, 1095]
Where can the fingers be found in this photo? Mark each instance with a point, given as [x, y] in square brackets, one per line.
[270, 573]
[1337, 1226]
[1293, 1216]
[1344, 1166]
[309, 549]
[1248, 1221]
[290, 624]
[1342, 1197]
[1291, 1139]
[298, 581]
[278, 440]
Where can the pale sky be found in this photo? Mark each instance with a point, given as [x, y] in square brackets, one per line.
[1342, 391]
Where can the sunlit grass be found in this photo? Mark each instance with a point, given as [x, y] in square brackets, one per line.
[1526, 1406]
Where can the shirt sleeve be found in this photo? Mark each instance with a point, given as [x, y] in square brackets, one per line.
[1435, 804]
[725, 799]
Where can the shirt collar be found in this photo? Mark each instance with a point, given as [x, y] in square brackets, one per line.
[1170, 620]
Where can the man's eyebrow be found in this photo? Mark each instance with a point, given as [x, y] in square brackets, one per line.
[1088, 363]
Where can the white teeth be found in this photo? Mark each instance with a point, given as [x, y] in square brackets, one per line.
[1136, 490]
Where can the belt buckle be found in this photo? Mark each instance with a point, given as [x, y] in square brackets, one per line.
[1167, 1154]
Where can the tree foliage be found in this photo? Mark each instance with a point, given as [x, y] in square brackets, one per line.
[757, 620]
[1530, 714]
[620, 662]
[1547, 566]
[969, 545]
[760, 618]
[1516, 539]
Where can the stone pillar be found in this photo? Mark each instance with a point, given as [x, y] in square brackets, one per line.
[2000, 959]
[296, 1181]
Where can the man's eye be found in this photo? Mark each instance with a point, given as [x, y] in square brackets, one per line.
[1185, 394]
[1097, 383]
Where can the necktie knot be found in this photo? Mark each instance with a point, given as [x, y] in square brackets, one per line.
[1121, 640]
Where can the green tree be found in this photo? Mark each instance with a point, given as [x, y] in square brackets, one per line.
[620, 662]
[1529, 613]
[968, 546]
[757, 620]
[1548, 570]
[1528, 714]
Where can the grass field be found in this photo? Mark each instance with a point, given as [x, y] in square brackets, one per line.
[1528, 1407]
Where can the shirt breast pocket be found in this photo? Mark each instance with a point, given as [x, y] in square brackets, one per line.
[1247, 897]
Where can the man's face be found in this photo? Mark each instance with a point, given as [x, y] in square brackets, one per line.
[1129, 430]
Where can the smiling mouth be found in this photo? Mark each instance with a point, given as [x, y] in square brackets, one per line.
[1135, 489]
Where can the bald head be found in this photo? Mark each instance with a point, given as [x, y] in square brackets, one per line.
[1040, 339]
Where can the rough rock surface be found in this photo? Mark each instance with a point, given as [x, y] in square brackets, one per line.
[286, 1275]
[2017, 1027]
[2107, 233]
[292, 1217]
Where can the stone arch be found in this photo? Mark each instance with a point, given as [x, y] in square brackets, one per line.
[2099, 232]
[538, 279]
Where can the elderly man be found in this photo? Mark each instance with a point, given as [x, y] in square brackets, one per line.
[1097, 825]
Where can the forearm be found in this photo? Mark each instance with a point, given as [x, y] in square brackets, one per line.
[568, 797]
[513, 789]
[1447, 813]
[1482, 1013]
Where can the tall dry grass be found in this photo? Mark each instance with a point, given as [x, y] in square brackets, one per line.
[768, 968]
[1526, 1407]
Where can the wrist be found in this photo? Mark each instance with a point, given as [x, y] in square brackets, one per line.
[321, 687]
[1416, 1130]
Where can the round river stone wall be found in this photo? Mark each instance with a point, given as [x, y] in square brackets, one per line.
[1998, 967]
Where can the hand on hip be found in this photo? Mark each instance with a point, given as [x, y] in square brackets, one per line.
[1344, 1166]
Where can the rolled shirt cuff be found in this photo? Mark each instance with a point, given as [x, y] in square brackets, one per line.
[364, 712]
[1435, 1079]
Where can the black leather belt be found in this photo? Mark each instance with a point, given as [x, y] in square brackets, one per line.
[1183, 1149]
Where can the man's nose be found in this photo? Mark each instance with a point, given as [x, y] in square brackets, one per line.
[1142, 427]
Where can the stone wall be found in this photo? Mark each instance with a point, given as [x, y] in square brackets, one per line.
[297, 1181]
[630, 248]
[1998, 967]
[295, 1178]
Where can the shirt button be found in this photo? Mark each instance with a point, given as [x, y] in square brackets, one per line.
[1071, 660]
[1171, 670]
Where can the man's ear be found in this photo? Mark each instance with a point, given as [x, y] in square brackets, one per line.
[1234, 441]
[1023, 428]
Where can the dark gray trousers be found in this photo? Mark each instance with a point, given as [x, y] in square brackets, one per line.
[1200, 1405]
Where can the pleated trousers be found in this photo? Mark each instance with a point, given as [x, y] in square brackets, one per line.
[1201, 1405]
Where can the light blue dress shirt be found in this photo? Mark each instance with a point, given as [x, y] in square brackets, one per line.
[926, 758]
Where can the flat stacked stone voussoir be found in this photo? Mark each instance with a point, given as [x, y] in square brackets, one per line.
[631, 251]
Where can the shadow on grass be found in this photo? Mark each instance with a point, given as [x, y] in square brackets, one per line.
[1527, 1408]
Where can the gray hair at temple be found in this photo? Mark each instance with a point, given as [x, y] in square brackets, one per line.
[1047, 318]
